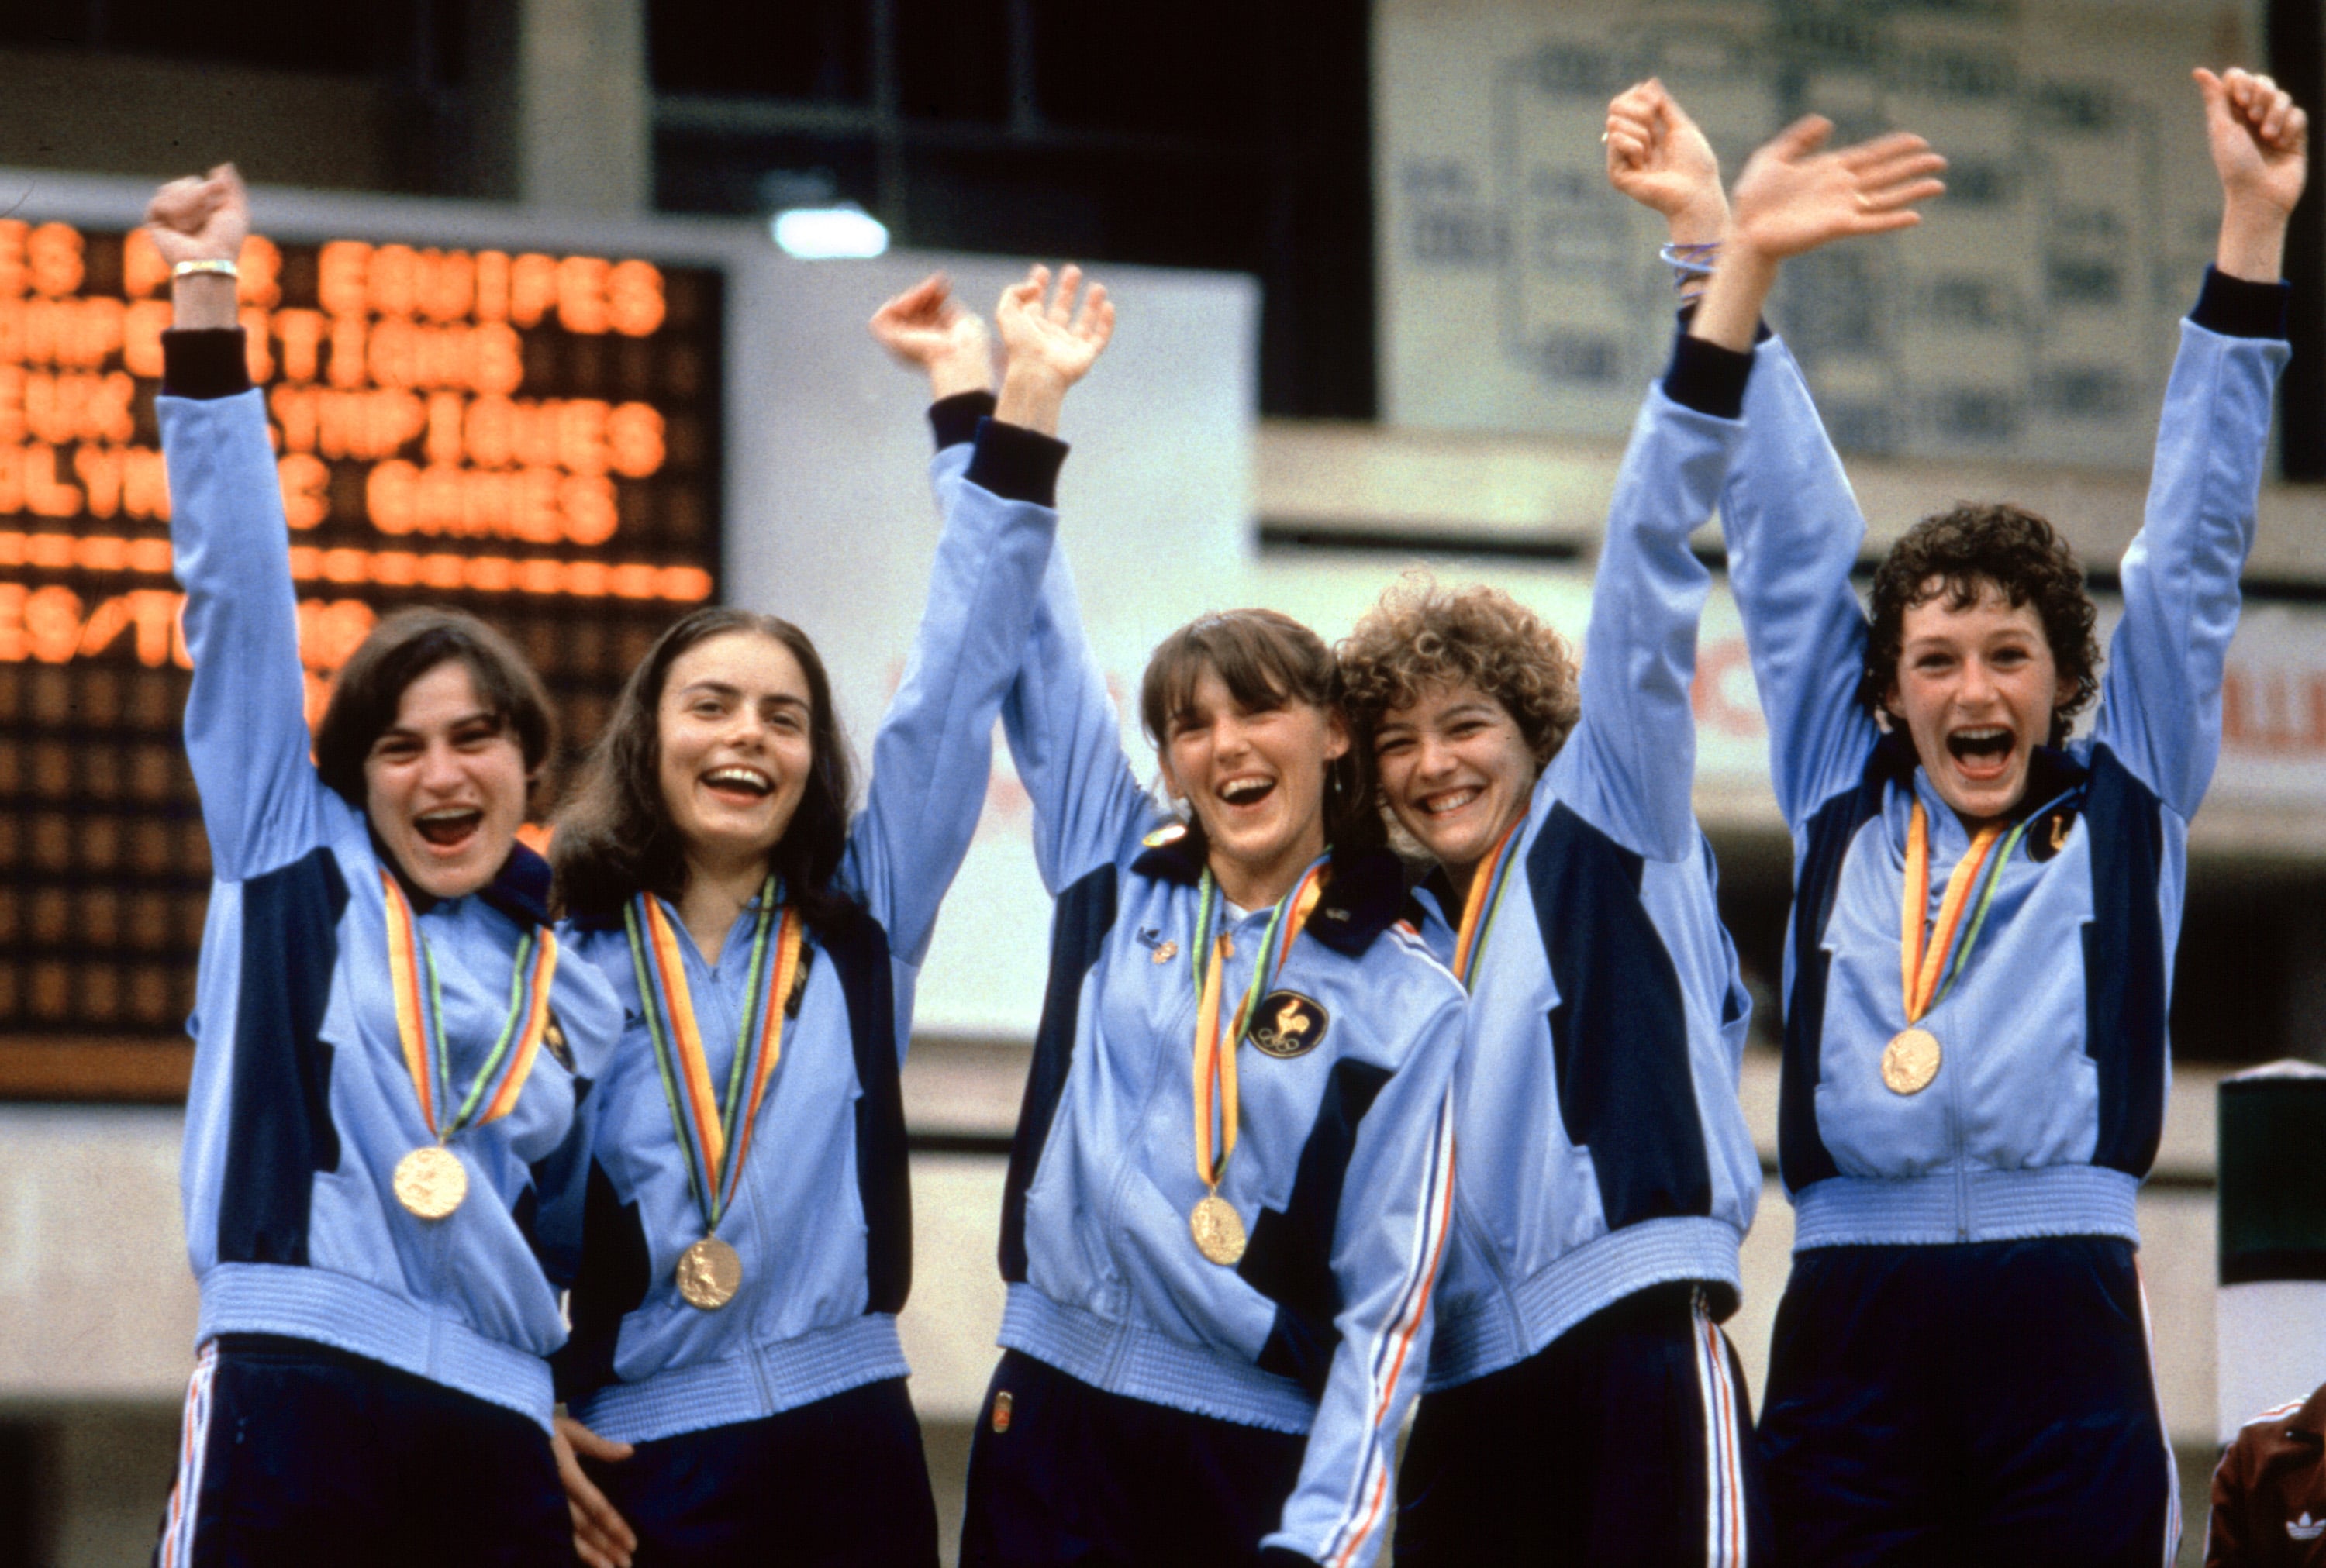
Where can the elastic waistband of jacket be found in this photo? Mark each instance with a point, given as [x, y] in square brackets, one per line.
[1487, 1333]
[755, 1382]
[352, 1315]
[1965, 1206]
[1142, 1363]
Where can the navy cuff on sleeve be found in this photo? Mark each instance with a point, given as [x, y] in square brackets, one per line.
[954, 419]
[1708, 379]
[207, 363]
[2238, 309]
[1017, 464]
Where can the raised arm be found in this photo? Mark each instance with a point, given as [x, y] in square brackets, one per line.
[2161, 698]
[1061, 723]
[1630, 764]
[1788, 517]
[245, 715]
[933, 754]
[1390, 1233]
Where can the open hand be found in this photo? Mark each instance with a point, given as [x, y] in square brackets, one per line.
[602, 1538]
[927, 326]
[1048, 343]
[202, 218]
[1794, 196]
[2260, 138]
[1656, 157]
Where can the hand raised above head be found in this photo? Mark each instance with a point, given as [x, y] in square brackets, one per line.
[927, 326]
[1050, 332]
[1656, 157]
[201, 218]
[2260, 138]
[1794, 196]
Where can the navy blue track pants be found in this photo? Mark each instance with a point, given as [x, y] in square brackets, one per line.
[294, 1453]
[1989, 1402]
[1064, 1473]
[840, 1483]
[1628, 1440]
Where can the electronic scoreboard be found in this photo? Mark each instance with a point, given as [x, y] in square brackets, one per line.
[531, 435]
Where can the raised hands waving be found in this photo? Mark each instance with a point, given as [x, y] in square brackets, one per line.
[928, 328]
[1794, 196]
[1049, 339]
[1661, 159]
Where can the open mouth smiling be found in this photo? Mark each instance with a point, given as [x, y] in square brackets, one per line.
[747, 781]
[1248, 791]
[1448, 802]
[1982, 748]
[448, 827]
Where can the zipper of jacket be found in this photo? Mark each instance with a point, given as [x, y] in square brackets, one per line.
[1160, 1062]
[1963, 1215]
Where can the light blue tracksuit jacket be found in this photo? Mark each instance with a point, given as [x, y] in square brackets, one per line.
[821, 1220]
[2047, 1108]
[301, 1104]
[1603, 1148]
[1343, 1173]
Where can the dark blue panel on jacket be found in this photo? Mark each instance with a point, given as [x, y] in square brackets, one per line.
[2124, 965]
[1801, 1149]
[609, 1284]
[1619, 1030]
[281, 1133]
[859, 954]
[1290, 1259]
[1084, 914]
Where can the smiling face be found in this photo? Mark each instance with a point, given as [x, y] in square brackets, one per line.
[1456, 772]
[445, 785]
[1256, 780]
[1976, 687]
[732, 728]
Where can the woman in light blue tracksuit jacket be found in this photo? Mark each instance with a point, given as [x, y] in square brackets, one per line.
[1214, 1323]
[777, 1411]
[378, 1258]
[1960, 1369]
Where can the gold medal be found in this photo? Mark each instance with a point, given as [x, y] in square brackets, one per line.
[1218, 1230]
[1928, 957]
[1910, 1060]
[709, 1274]
[431, 1182]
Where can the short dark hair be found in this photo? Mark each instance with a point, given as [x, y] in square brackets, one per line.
[614, 837]
[401, 649]
[1267, 660]
[1957, 555]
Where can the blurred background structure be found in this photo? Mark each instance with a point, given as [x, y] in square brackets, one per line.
[535, 346]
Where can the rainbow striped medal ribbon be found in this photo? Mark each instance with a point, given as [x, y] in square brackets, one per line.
[1484, 902]
[430, 1181]
[1931, 962]
[1216, 1225]
[714, 1133]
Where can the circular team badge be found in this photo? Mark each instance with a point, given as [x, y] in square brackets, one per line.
[1287, 1025]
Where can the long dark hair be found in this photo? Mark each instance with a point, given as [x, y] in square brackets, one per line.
[1266, 659]
[614, 836]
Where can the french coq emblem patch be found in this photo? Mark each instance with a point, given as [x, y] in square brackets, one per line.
[1287, 1025]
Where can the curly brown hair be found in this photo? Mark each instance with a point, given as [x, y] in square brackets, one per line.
[1421, 634]
[1957, 555]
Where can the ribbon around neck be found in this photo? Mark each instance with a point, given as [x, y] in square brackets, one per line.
[420, 1021]
[1216, 1055]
